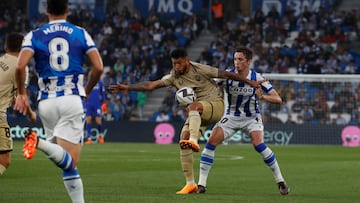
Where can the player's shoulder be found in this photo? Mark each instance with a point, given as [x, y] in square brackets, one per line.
[169, 76]
[256, 75]
[200, 65]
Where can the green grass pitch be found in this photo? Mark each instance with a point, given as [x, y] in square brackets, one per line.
[133, 172]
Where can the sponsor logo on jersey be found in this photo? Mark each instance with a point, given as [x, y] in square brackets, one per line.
[246, 91]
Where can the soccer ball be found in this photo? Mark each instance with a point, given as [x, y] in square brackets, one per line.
[185, 96]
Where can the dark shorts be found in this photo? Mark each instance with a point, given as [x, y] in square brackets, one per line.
[93, 110]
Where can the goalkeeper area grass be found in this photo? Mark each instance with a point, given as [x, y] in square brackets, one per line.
[143, 172]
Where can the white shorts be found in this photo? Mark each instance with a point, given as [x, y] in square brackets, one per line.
[231, 124]
[63, 117]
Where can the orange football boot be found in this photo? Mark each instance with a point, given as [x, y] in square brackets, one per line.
[101, 139]
[31, 141]
[188, 189]
[187, 144]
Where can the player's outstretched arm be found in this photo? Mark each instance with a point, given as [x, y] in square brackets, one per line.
[118, 88]
[237, 77]
[142, 86]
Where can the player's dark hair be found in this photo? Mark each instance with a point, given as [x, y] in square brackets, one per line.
[57, 7]
[178, 53]
[13, 42]
[248, 53]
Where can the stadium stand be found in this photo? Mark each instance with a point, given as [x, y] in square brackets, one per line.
[135, 48]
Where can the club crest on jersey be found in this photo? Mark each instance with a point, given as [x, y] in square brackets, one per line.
[246, 91]
[197, 77]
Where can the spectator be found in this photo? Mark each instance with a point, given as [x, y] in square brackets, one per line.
[168, 101]
[273, 14]
[321, 107]
[289, 120]
[175, 116]
[108, 110]
[297, 106]
[162, 117]
[349, 68]
[337, 107]
[299, 119]
[307, 114]
[218, 14]
[340, 120]
[141, 100]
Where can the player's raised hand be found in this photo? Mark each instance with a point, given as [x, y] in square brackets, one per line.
[118, 88]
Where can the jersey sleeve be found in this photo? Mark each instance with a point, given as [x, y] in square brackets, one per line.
[90, 44]
[265, 86]
[27, 42]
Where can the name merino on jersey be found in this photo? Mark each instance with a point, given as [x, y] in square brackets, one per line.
[58, 60]
[57, 27]
[240, 98]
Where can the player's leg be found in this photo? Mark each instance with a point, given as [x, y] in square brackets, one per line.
[69, 135]
[64, 126]
[257, 135]
[187, 163]
[207, 157]
[4, 161]
[71, 177]
[6, 146]
[194, 123]
[98, 120]
[201, 113]
[210, 113]
[88, 121]
[90, 113]
[224, 129]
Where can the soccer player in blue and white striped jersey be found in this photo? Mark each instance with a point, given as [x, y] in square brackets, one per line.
[58, 49]
[242, 113]
[93, 111]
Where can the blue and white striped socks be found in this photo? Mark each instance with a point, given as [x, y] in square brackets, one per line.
[270, 161]
[206, 161]
[74, 185]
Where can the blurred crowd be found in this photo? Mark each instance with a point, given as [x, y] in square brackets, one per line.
[136, 48]
[315, 42]
[312, 43]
